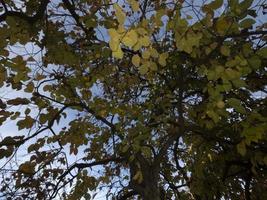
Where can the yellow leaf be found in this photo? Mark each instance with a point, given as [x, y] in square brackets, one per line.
[145, 41]
[119, 13]
[143, 69]
[162, 59]
[134, 4]
[121, 29]
[153, 66]
[114, 44]
[137, 46]
[130, 39]
[118, 54]
[154, 53]
[136, 60]
[146, 54]
[141, 31]
[113, 34]
[114, 39]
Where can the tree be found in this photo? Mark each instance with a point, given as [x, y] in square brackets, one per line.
[140, 99]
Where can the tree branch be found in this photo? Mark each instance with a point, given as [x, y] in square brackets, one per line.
[127, 195]
[92, 164]
[30, 19]
[71, 8]
[245, 34]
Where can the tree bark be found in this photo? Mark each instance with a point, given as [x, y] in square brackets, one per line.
[149, 188]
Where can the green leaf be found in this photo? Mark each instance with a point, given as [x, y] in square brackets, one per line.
[222, 25]
[213, 5]
[244, 5]
[225, 50]
[262, 52]
[247, 23]
[254, 62]
[214, 116]
[220, 104]
[241, 148]
[236, 104]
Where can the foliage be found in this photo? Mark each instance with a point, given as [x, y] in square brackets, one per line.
[140, 99]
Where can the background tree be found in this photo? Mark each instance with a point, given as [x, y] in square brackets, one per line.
[141, 99]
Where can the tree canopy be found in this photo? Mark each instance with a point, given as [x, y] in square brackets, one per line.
[147, 99]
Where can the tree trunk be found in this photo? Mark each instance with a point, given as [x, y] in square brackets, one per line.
[151, 187]
[148, 189]
[152, 193]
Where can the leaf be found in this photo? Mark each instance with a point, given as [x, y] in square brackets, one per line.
[241, 148]
[154, 53]
[143, 69]
[130, 39]
[216, 4]
[225, 50]
[137, 46]
[222, 25]
[162, 59]
[125, 148]
[214, 116]
[236, 104]
[145, 41]
[18, 101]
[212, 6]
[136, 60]
[30, 87]
[262, 52]
[27, 111]
[118, 54]
[2, 104]
[247, 23]
[121, 16]
[114, 39]
[187, 43]
[141, 31]
[153, 66]
[25, 123]
[146, 54]
[27, 168]
[254, 62]
[232, 74]
[134, 4]
[244, 5]
[220, 104]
